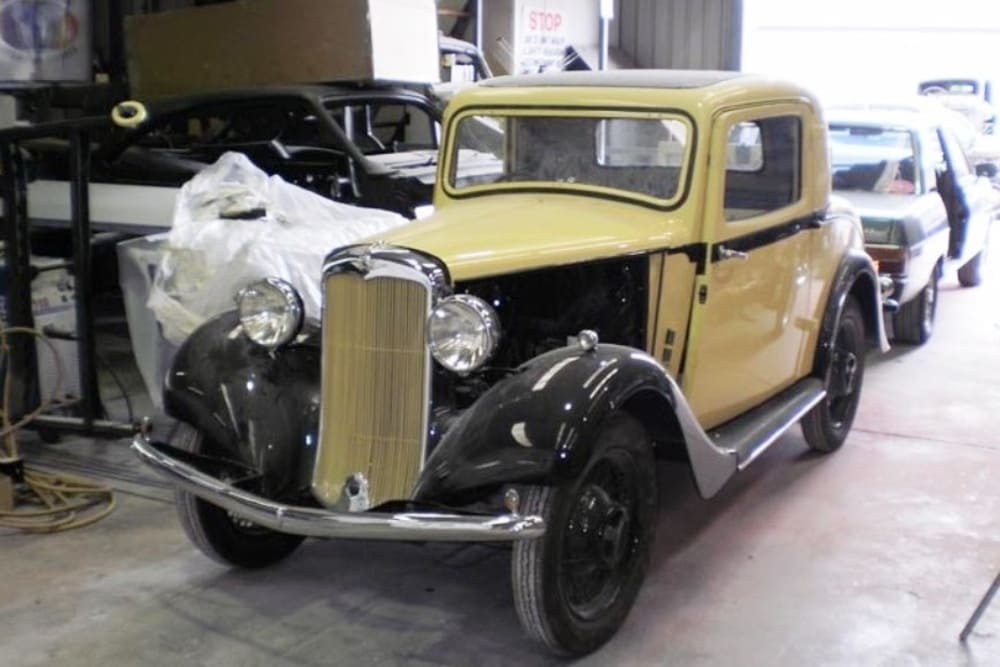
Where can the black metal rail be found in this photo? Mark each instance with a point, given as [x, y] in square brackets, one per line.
[22, 365]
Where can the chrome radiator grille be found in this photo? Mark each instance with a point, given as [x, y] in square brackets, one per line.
[374, 385]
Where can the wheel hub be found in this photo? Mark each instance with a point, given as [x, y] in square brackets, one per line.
[614, 536]
[845, 373]
[605, 525]
[929, 303]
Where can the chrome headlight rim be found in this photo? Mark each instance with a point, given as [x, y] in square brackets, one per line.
[486, 317]
[293, 313]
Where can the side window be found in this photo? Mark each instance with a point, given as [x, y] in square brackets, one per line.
[763, 166]
[743, 150]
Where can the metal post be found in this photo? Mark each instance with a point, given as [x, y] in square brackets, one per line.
[479, 24]
[90, 401]
[22, 361]
[983, 604]
[606, 12]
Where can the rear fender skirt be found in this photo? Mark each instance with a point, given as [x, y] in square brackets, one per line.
[261, 410]
[537, 426]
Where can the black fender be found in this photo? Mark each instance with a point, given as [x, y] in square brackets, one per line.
[261, 408]
[538, 425]
[856, 276]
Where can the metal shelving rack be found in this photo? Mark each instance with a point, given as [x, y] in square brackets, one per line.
[22, 366]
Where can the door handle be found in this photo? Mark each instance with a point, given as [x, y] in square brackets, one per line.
[729, 253]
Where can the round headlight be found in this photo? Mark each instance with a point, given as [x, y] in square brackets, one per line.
[270, 312]
[464, 332]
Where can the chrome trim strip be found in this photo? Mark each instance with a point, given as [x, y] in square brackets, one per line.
[314, 522]
[360, 258]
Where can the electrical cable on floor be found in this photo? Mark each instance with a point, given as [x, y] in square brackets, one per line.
[121, 388]
[49, 502]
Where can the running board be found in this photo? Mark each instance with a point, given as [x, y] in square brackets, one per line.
[749, 435]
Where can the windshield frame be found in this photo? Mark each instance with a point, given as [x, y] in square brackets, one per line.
[449, 161]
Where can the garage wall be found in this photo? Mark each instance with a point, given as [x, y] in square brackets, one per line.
[680, 34]
[865, 50]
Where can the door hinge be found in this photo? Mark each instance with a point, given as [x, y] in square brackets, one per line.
[703, 294]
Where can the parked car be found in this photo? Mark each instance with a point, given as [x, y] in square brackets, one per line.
[972, 97]
[371, 146]
[645, 264]
[921, 204]
[462, 61]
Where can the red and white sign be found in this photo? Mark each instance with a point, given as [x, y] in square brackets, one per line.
[541, 39]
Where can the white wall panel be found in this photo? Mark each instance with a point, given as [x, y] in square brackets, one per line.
[860, 49]
[695, 34]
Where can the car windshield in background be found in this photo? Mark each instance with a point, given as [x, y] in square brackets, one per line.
[956, 87]
[389, 126]
[872, 159]
[643, 155]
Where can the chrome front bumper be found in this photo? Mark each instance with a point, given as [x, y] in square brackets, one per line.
[316, 522]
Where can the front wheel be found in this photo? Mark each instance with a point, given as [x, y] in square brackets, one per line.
[826, 426]
[221, 536]
[574, 586]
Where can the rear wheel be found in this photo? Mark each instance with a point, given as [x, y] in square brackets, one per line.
[826, 426]
[914, 323]
[574, 586]
[970, 274]
[221, 536]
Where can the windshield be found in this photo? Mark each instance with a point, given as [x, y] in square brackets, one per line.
[872, 159]
[643, 155]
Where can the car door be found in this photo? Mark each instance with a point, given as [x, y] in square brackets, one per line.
[970, 199]
[750, 318]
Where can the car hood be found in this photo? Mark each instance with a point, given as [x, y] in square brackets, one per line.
[881, 206]
[505, 233]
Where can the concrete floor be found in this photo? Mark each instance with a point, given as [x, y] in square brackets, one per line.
[873, 556]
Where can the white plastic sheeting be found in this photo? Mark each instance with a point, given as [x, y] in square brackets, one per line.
[234, 224]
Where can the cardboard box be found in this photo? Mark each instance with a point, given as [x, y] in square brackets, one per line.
[252, 43]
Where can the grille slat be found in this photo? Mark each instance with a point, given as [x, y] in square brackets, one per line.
[373, 384]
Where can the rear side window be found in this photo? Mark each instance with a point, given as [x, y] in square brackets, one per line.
[763, 166]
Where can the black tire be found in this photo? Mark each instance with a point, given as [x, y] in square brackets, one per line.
[970, 274]
[219, 535]
[826, 426]
[574, 586]
[914, 322]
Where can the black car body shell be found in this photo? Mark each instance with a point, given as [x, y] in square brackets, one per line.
[336, 167]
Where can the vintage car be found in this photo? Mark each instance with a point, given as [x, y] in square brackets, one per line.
[372, 146]
[972, 97]
[921, 205]
[640, 265]
[462, 61]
